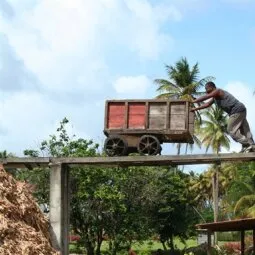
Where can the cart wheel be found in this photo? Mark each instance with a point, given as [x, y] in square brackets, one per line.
[115, 146]
[149, 145]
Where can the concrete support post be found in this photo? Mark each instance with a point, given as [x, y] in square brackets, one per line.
[209, 242]
[59, 207]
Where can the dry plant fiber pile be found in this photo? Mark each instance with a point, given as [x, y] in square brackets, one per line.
[24, 230]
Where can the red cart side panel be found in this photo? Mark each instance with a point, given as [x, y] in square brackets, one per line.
[136, 115]
[116, 115]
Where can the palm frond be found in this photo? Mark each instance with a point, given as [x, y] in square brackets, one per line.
[167, 84]
[203, 81]
[246, 201]
[167, 95]
[194, 72]
[251, 211]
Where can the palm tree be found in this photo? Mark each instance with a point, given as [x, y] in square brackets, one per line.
[213, 130]
[213, 134]
[240, 198]
[245, 206]
[3, 154]
[201, 185]
[183, 83]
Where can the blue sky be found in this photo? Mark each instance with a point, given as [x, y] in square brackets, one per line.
[65, 58]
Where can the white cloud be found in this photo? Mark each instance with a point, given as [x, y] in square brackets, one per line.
[79, 31]
[6, 9]
[13, 74]
[244, 93]
[64, 46]
[27, 118]
[134, 86]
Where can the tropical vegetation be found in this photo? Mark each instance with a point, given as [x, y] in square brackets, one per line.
[113, 208]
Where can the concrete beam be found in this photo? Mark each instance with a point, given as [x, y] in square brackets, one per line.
[160, 160]
[59, 207]
[133, 160]
[25, 162]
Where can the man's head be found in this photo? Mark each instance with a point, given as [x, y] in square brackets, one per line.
[209, 87]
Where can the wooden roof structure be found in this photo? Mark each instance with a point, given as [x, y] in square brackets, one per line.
[240, 225]
[231, 225]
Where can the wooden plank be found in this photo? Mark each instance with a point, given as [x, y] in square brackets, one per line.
[157, 122]
[191, 117]
[191, 128]
[168, 115]
[147, 100]
[157, 115]
[132, 140]
[242, 242]
[253, 240]
[146, 115]
[136, 115]
[106, 115]
[177, 108]
[177, 116]
[116, 115]
[229, 225]
[126, 115]
[177, 122]
[142, 131]
[187, 115]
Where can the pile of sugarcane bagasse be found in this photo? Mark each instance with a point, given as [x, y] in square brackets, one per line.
[24, 230]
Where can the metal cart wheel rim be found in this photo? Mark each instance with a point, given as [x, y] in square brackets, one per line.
[115, 146]
[149, 144]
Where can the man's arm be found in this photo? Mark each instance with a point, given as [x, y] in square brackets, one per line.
[206, 105]
[213, 94]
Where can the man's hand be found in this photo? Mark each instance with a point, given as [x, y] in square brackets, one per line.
[193, 109]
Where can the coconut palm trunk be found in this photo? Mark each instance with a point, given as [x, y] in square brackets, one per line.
[215, 186]
[213, 133]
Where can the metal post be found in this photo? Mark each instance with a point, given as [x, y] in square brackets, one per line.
[59, 207]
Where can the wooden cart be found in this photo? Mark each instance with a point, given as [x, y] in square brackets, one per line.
[143, 125]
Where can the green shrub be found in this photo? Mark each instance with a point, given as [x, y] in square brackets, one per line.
[229, 236]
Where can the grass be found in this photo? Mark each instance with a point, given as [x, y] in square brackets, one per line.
[154, 245]
[147, 246]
